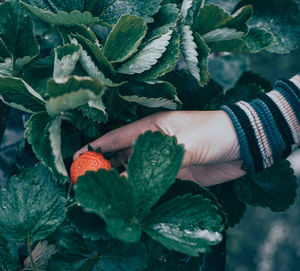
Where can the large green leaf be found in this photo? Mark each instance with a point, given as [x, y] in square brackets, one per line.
[71, 93]
[279, 17]
[111, 197]
[152, 168]
[274, 188]
[222, 34]
[8, 256]
[66, 58]
[4, 52]
[63, 18]
[166, 63]
[235, 46]
[228, 5]
[95, 110]
[189, 224]
[18, 94]
[142, 8]
[16, 30]
[151, 94]
[44, 134]
[125, 38]
[7, 68]
[147, 56]
[31, 205]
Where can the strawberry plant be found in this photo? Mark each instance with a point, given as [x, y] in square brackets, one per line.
[83, 68]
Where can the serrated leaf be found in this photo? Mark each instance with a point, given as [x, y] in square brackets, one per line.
[43, 133]
[31, 205]
[41, 255]
[259, 39]
[4, 52]
[167, 16]
[147, 56]
[111, 197]
[16, 31]
[18, 94]
[95, 110]
[8, 256]
[281, 18]
[166, 63]
[142, 8]
[98, 7]
[228, 5]
[125, 38]
[63, 18]
[156, 94]
[88, 224]
[71, 93]
[232, 206]
[66, 58]
[152, 168]
[188, 224]
[7, 68]
[222, 34]
[274, 188]
[96, 54]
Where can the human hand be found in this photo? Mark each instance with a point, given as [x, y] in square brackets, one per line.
[211, 145]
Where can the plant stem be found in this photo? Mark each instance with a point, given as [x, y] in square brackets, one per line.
[123, 163]
[70, 189]
[30, 254]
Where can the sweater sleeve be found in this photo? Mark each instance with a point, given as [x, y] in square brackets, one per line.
[268, 127]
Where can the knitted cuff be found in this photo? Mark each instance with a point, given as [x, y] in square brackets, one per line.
[268, 127]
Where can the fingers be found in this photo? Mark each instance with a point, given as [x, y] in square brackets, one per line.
[209, 175]
[123, 137]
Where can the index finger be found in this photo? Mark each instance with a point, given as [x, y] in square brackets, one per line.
[122, 137]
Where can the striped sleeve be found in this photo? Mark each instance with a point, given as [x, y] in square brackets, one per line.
[268, 127]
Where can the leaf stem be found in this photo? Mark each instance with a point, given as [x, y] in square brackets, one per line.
[30, 254]
[123, 163]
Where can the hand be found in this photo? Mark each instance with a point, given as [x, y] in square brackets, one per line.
[211, 145]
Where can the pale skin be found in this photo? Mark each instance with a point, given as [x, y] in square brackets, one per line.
[212, 154]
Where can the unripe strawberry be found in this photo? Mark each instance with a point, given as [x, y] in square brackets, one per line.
[89, 161]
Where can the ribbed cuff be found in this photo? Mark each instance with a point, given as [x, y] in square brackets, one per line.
[268, 127]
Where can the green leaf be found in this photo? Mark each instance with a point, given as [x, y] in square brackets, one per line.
[259, 39]
[18, 94]
[151, 94]
[96, 7]
[187, 224]
[167, 16]
[7, 68]
[72, 92]
[95, 110]
[88, 224]
[66, 58]
[95, 54]
[166, 63]
[274, 188]
[142, 8]
[147, 56]
[4, 52]
[31, 205]
[63, 18]
[16, 31]
[152, 168]
[110, 196]
[44, 134]
[125, 38]
[281, 18]
[222, 34]
[232, 206]
[8, 256]
[228, 5]
[162, 259]
[235, 46]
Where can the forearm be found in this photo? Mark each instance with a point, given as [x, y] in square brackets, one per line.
[268, 127]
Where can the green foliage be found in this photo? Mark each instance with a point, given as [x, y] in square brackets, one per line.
[31, 206]
[83, 68]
